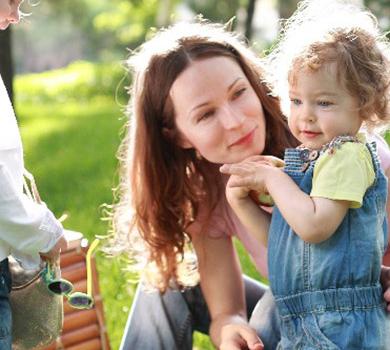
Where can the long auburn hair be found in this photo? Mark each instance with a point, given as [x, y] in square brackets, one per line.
[162, 184]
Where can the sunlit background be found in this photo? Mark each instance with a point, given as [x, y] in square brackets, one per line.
[63, 67]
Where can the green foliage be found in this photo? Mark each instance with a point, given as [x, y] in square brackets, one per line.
[387, 137]
[215, 10]
[70, 149]
[80, 81]
[127, 21]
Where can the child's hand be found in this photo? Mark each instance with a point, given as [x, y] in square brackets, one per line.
[250, 173]
[235, 193]
[54, 253]
[239, 336]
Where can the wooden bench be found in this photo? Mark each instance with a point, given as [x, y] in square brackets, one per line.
[83, 329]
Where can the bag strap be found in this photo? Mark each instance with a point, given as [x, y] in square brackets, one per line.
[30, 188]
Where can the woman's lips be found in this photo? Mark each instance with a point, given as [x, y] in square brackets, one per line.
[246, 139]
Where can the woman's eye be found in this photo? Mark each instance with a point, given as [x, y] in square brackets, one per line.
[205, 115]
[239, 92]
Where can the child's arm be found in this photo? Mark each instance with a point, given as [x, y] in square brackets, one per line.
[255, 220]
[313, 219]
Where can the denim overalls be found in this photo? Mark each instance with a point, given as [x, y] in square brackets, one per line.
[328, 294]
[5, 309]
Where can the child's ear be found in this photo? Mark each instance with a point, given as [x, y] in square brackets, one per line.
[177, 138]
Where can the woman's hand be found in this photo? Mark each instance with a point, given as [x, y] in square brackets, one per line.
[235, 193]
[239, 336]
[385, 281]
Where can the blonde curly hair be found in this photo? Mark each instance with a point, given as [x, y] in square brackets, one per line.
[320, 33]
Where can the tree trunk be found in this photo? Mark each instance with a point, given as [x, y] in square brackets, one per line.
[163, 14]
[249, 18]
[287, 7]
[6, 66]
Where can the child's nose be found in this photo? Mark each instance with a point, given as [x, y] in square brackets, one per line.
[308, 114]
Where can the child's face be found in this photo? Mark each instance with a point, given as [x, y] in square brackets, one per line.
[9, 12]
[321, 108]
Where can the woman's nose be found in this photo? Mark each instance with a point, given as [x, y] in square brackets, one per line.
[230, 118]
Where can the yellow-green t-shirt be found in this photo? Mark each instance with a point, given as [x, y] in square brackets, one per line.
[344, 175]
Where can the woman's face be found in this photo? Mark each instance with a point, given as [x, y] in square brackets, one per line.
[9, 12]
[217, 111]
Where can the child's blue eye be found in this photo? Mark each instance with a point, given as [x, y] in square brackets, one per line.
[324, 103]
[295, 101]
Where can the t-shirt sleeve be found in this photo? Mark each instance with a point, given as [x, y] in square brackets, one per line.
[345, 174]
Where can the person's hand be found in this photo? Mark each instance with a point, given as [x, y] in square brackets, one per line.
[54, 253]
[235, 193]
[238, 337]
[250, 174]
[385, 281]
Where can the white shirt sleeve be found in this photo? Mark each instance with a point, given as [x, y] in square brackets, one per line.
[26, 226]
[9, 132]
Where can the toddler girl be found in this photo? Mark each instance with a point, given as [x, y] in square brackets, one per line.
[328, 230]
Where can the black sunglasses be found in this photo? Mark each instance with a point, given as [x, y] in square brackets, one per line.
[64, 287]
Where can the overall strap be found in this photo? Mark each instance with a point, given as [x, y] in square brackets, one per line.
[374, 155]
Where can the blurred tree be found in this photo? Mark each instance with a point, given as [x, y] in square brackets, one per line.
[164, 13]
[82, 18]
[381, 8]
[127, 22]
[77, 13]
[215, 10]
[249, 18]
[6, 66]
[286, 8]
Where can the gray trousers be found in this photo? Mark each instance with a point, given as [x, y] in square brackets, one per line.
[167, 321]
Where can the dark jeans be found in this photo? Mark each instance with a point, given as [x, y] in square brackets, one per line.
[167, 322]
[5, 308]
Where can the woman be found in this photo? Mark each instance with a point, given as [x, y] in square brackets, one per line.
[198, 100]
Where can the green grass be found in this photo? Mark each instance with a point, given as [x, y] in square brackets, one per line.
[70, 148]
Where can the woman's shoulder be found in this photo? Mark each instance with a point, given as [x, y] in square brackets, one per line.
[215, 223]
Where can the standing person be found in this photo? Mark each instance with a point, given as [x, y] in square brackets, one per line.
[330, 198]
[27, 229]
[197, 101]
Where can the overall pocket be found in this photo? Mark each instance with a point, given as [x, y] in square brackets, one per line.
[314, 335]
